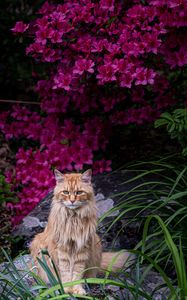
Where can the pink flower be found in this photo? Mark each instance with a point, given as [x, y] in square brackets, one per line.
[175, 3]
[56, 37]
[35, 48]
[62, 81]
[182, 57]
[83, 44]
[106, 73]
[126, 80]
[98, 45]
[46, 8]
[20, 27]
[144, 76]
[151, 42]
[178, 58]
[107, 5]
[42, 35]
[101, 166]
[85, 156]
[51, 55]
[82, 65]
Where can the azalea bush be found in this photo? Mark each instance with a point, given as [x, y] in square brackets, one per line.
[105, 63]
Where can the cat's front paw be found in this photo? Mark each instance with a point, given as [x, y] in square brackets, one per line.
[78, 289]
[68, 290]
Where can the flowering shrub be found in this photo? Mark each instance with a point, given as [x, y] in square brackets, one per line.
[107, 62]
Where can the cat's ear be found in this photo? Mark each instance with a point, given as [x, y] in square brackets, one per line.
[58, 176]
[87, 176]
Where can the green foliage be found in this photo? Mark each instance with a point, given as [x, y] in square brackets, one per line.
[159, 188]
[176, 126]
[6, 195]
[177, 257]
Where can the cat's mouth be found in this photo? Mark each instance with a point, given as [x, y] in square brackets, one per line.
[74, 205]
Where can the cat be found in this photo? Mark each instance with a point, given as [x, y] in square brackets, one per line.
[70, 235]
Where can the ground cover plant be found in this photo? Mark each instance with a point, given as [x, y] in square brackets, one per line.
[98, 64]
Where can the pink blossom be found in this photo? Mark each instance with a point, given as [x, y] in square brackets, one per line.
[151, 42]
[83, 44]
[98, 45]
[20, 27]
[56, 37]
[144, 76]
[51, 55]
[126, 80]
[35, 48]
[178, 58]
[85, 156]
[106, 73]
[101, 166]
[46, 8]
[107, 5]
[42, 35]
[62, 81]
[82, 65]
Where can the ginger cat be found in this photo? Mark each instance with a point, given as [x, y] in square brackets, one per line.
[70, 235]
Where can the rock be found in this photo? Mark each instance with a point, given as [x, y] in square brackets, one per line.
[104, 205]
[22, 265]
[32, 222]
[110, 298]
[99, 197]
[113, 288]
[35, 221]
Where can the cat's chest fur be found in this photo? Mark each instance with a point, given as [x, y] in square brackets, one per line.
[72, 229]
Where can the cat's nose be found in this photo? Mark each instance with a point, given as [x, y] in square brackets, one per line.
[72, 200]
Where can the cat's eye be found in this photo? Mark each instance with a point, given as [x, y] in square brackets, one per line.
[65, 192]
[79, 192]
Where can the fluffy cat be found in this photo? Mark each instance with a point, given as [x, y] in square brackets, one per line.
[70, 235]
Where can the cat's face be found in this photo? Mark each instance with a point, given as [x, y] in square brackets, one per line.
[73, 190]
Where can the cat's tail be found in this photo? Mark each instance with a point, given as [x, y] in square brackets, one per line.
[115, 261]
